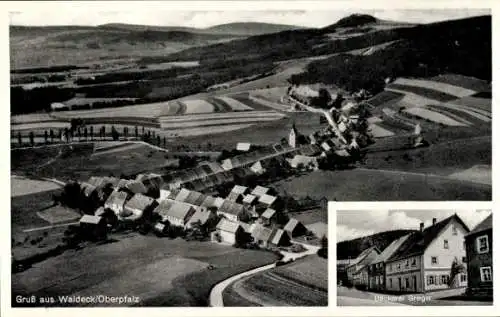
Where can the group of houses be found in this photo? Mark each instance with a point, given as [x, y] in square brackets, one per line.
[245, 212]
[444, 255]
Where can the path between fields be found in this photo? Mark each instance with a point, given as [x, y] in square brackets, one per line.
[216, 294]
[441, 177]
[50, 227]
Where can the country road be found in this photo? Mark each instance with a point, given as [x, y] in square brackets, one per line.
[216, 294]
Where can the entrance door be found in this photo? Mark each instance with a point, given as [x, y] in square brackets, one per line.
[415, 283]
[400, 285]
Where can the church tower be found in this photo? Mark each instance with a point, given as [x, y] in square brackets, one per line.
[292, 137]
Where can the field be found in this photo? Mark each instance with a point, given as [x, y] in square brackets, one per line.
[81, 165]
[159, 271]
[302, 283]
[382, 185]
[449, 89]
[379, 132]
[20, 186]
[436, 117]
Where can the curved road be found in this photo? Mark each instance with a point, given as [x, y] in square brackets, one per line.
[216, 294]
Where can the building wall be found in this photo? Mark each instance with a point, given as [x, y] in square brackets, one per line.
[230, 217]
[376, 276]
[477, 260]
[227, 237]
[405, 268]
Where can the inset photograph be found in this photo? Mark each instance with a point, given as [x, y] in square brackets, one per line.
[414, 257]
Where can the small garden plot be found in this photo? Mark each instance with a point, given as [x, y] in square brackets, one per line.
[271, 94]
[421, 91]
[470, 83]
[474, 102]
[24, 186]
[379, 132]
[205, 130]
[457, 114]
[58, 214]
[449, 114]
[150, 110]
[465, 110]
[197, 106]
[220, 105]
[235, 104]
[433, 116]
[246, 99]
[383, 98]
[453, 90]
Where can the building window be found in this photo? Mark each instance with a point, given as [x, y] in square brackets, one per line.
[482, 244]
[464, 259]
[414, 262]
[407, 263]
[407, 282]
[390, 282]
[446, 246]
[434, 260]
[463, 278]
[486, 274]
[444, 279]
[390, 267]
[430, 280]
[454, 229]
[399, 266]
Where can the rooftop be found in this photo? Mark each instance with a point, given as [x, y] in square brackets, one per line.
[228, 226]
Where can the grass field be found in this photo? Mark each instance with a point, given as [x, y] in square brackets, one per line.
[381, 185]
[302, 283]
[20, 186]
[437, 117]
[161, 272]
[449, 89]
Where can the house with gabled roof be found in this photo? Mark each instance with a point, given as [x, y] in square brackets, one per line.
[294, 228]
[116, 201]
[230, 210]
[136, 187]
[365, 257]
[250, 200]
[259, 191]
[182, 195]
[376, 269]
[237, 193]
[479, 249]
[93, 227]
[423, 262]
[176, 212]
[268, 217]
[201, 215]
[257, 168]
[227, 231]
[279, 238]
[136, 207]
[261, 235]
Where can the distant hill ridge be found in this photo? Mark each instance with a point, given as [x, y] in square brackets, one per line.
[350, 249]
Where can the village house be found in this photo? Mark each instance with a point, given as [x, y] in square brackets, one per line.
[136, 187]
[250, 200]
[376, 270]
[237, 193]
[361, 260]
[267, 201]
[268, 217]
[479, 249]
[243, 147]
[294, 228]
[304, 162]
[136, 207]
[259, 191]
[230, 210]
[257, 168]
[261, 235]
[116, 202]
[93, 227]
[228, 231]
[201, 215]
[423, 262]
[177, 213]
[279, 238]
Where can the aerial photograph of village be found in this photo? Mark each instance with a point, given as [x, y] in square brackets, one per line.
[188, 159]
[414, 257]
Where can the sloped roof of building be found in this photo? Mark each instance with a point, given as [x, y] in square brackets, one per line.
[219, 201]
[486, 224]
[195, 198]
[200, 215]
[309, 150]
[117, 198]
[291, 225]
[90, 219]
[228, 226]
[249, 199]
[209, 201]
[230, 207]
[99, 212]
[389, 250]
[418, 242]
[364, 254]
[136, 187]
[268, 213]
[139, 202]
[243, 146]
[122, 183]
[164, 206]
[179, 210]
[301, 159]
[277, 235]
[245, 226]
[261, 233]
[257, 167]
[267, 199]
[259, 191]
[239, 189]
[233, 196]
[182, 195]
